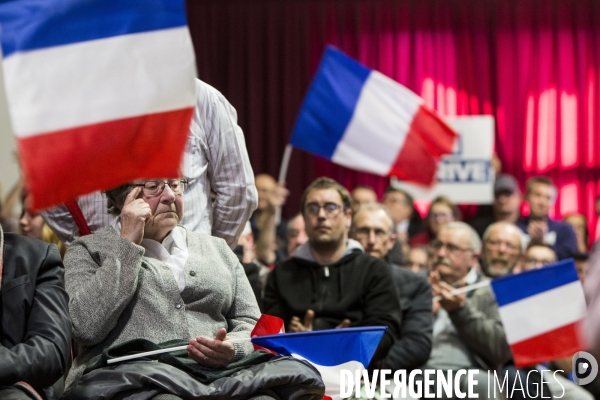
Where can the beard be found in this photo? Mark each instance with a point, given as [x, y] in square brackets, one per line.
[326, 246]
[496, 266]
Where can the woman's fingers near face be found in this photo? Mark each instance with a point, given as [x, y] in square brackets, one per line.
[132, 195]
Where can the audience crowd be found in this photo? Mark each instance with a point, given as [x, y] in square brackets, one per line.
[345, 259]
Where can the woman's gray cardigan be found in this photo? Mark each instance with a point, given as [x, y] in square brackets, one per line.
[116, 294]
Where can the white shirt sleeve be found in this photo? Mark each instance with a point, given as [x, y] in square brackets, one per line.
[93, 208]
[217, 159]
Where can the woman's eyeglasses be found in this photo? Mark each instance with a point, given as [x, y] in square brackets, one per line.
[155, 188]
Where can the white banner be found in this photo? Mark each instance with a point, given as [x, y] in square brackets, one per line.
[466, 176]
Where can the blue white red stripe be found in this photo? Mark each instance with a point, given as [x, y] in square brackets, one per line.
[363, 120]
[329, 351]
[541, 311]
[93, 88]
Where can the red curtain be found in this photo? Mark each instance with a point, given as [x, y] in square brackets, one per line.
[533, 64]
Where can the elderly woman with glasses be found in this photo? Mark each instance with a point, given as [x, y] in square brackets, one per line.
[146, 277]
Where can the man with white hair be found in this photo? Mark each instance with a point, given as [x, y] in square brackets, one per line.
[502, 248]
[467, 330]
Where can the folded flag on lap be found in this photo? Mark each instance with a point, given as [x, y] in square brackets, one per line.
[329, 351]
[541, 311]
[100, 92]
[361, 119]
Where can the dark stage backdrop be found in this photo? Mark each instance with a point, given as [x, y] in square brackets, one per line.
[533, 64]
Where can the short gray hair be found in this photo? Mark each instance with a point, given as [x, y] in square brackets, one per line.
[473, 236]
[375, 207]
[489, 229]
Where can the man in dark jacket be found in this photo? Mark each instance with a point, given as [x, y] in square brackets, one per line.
[35, 329]
[328, 282]
[538, 227]
[372, 227]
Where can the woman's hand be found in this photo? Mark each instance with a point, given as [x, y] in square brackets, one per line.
[211, 352]
[134, 215]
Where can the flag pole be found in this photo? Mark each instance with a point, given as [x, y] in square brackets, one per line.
[285, 162]
[167, 350]
[466, 289]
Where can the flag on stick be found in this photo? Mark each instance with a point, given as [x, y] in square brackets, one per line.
[541, 311]
[100, 92]
[361, 119]
[329, 351]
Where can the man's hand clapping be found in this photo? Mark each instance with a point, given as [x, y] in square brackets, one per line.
[306, 326]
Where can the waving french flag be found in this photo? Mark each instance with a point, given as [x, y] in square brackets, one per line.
[541, 311]
[361, 119]
[100, 92]
[329, 351]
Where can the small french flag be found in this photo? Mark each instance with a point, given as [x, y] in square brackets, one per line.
[542, 311]
[361, 119]
[329, 351]
[100, 92]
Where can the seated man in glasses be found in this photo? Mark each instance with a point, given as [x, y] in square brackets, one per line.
[467, 330]
[147, 277]
[329, 282]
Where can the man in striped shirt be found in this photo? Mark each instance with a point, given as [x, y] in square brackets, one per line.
[215, 159]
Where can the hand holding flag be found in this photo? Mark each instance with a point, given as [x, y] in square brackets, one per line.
[329, 351]
[541, 310]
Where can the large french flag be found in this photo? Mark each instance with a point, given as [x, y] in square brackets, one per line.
[100, 92]
[361, 119]
[542, 311]
[329, 351]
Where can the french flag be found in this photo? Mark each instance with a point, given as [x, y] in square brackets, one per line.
[100, 92]
[542, 311]
[361, 119]
[329, 351]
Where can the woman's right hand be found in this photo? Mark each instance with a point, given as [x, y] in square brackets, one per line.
[134, 215]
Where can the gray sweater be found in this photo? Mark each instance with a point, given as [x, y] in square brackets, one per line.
[117, 294]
